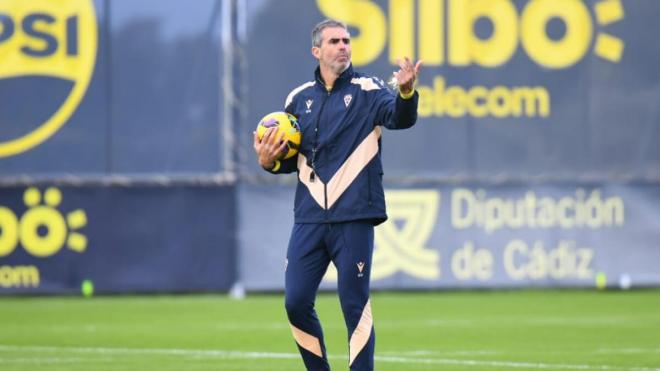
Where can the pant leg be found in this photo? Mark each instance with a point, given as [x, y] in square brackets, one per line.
[307, 261]
[352, 251]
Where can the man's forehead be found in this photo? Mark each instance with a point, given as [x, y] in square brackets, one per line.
[334, 33]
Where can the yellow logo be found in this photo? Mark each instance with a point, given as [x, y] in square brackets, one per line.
[401, 240]
[47, 38]
[42, 230]
[19, 276]
[463, 47]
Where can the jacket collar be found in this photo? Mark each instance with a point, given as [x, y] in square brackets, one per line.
[344, 77]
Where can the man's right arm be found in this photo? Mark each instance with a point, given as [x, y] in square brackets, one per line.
[269, 149]
[283, 166]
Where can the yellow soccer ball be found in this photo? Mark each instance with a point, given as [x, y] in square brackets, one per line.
[286, 123]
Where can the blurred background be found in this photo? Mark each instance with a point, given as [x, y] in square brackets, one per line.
[126, 160]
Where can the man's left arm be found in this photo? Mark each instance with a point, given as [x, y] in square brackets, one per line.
[400, 112]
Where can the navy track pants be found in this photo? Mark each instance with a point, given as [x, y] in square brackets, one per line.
[349, 246]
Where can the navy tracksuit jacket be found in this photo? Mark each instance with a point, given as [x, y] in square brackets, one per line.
[339, 199]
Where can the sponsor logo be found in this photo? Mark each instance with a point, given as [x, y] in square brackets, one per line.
[400, 242]
[488, 34]
[46, 39]
[428, 23]
[43, 230]
[360, 267]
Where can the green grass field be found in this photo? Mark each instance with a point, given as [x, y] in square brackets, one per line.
[501, 330]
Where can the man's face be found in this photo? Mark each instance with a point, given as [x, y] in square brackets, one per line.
[335, 50]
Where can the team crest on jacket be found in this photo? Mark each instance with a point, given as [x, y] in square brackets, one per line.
[347, 99]
[308, 103]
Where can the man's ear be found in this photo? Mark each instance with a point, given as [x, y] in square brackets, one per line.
[316, 52]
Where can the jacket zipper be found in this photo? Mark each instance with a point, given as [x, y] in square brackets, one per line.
[314, 150]
[325, 186]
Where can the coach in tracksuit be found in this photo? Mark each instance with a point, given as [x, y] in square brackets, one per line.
[339, 196]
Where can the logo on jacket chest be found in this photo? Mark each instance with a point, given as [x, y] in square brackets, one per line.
[308, 103]
[347, 99]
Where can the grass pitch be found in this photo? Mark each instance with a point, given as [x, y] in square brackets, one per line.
[500, 330]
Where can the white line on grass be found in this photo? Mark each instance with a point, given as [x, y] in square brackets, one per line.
[629, 350]
[437, 353]
[40, 360]
[509, 364]
[228, 354]
[380, 324]
[158, 351]
[507, 321]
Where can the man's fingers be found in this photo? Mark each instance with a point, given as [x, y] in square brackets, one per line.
[264, 138]
[408, 72]
[418, 65]
[402, 64]
[271, 146]
[275, 141]
[257, 142]
[408, 63]
[283, 147]
[268, 136]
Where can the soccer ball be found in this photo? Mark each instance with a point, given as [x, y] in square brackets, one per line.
[284, 122]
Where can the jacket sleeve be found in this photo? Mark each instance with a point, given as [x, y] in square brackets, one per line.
[395, 112]
[285, 166]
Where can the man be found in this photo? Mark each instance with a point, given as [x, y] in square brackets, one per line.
[339, 197]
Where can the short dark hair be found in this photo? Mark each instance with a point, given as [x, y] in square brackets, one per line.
[318, 29]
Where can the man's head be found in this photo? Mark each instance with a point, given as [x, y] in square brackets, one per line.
[331, 45]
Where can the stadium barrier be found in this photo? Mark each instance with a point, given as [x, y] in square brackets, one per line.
[119, 239]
